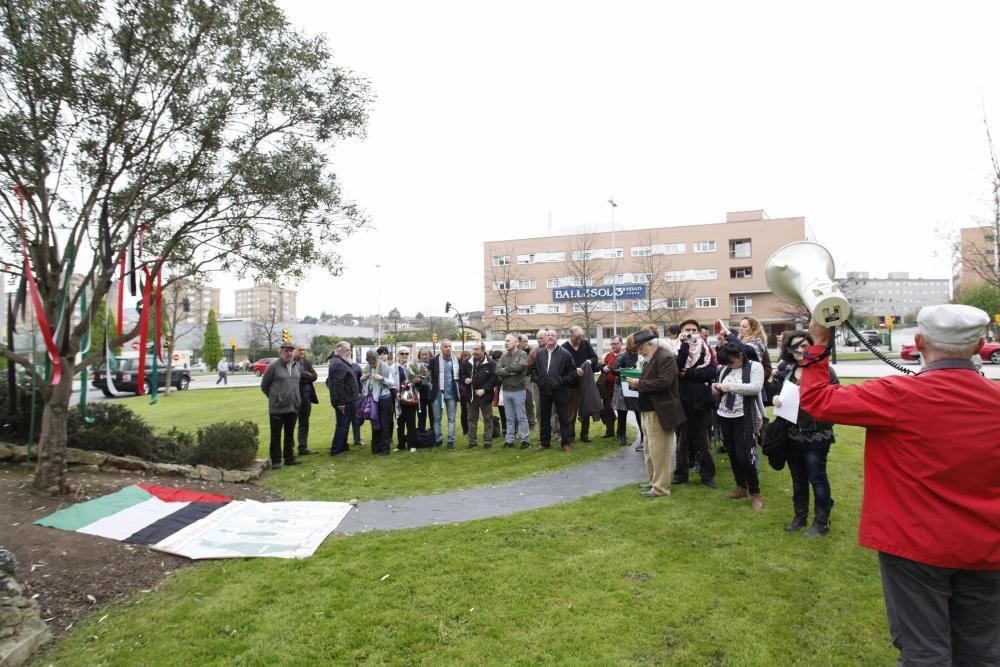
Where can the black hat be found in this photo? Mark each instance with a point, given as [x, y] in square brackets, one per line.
[643, 336]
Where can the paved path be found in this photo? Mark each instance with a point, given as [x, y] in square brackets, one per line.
[625, 467]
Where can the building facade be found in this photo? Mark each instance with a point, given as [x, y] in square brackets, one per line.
[977, 251]
[897, 294]
[266, 302]
[626, 278]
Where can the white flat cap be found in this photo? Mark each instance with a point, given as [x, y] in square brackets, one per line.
[952, 323]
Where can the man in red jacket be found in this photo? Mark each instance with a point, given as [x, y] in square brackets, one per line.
[931, 504]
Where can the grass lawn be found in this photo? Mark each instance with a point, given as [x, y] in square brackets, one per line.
[615, 579]
[360, 475]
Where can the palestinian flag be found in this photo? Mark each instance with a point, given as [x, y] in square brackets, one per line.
[203, 525]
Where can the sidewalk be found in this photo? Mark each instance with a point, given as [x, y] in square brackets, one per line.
[625, 467]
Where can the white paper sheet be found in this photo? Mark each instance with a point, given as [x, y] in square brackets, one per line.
[789, 409]
[627, 391]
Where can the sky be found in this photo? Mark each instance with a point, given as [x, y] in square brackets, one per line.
[497, 120]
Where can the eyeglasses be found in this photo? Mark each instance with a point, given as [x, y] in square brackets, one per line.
[404, 354]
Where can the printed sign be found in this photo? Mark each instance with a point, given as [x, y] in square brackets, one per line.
[604, 293]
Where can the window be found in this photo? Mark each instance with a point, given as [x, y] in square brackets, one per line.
[741, 272]
[598, 253]
[554, 308]
[673, 303]
[541, 258]
[500, 285]
[627, 278]
[659, 249]
[527, 283]
[499, 310]
[526, 310]
[569, 281]
[740, 305]
[501, 260]
[598, 306]
[739, 248]
[704, 246]
[691, 274]
[677, 303]
[706, 302]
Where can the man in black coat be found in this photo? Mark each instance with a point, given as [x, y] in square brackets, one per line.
[581, 351]
[344, 393]
[552, 370]
[307, 376]
[697, 372]
[482, 373]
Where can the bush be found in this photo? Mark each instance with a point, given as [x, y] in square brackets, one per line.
[226, 445]
[14, 426]
[115, 429]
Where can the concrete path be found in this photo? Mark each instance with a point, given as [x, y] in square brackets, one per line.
[625, 467]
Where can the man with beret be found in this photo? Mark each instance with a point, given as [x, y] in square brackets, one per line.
[931, 505]
[659, 410]
[280, 383]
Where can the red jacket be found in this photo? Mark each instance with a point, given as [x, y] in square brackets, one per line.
[932, 461]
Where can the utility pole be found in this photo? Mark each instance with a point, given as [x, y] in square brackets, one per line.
[614, 271]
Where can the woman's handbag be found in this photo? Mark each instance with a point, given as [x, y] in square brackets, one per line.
[367, 409]
[409, 396]
[775, 442]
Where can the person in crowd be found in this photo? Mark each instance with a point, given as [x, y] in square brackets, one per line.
[386, 356]
[629, 360]
[808, 443]
[931, 506]
[659, 408]
[480, 378]
[355, 425]
[740, 416]
[752, 339]
[223, 369]
[464, 372]
[280, 383]
[344, 393]
[512, 370]
[444, 369]
[553, 370]
[615, 420]
[529, 402]
[673, 332]
[406, 420]
[581, 351]
[419, 376]
[705, 331]
[307, 376]
[377, 381]
[500, 415]
[697, 371]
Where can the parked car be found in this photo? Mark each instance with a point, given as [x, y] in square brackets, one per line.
[125, 376]
[261, 365]
[871, 336]
[200, 367]
[990, 353]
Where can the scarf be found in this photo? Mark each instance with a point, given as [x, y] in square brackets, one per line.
[454, 370]
[696, 349]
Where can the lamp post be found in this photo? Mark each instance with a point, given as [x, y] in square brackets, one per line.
[614, 271]
[448, 306]
[378, 304]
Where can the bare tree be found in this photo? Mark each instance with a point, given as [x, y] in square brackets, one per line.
[983, 258]
[667, 301]
[505, 277]
[586, 308]
[177, 297]
[266, 330]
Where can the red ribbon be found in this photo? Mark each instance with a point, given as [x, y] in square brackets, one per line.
[143, 333]
[36, 298]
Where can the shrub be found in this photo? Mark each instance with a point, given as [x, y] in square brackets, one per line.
[14, 425]
[115, 429]
[226, 445]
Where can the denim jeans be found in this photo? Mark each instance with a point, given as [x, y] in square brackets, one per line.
[450, 404]
[808, 467]
[513, 405]
[344, 420]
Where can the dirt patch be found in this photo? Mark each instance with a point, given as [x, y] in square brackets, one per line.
[71, 573]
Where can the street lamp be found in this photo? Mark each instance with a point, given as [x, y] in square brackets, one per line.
[448, 306]
[614, 271]
[378, 304]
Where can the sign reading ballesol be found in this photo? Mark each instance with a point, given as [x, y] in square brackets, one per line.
[604, 293]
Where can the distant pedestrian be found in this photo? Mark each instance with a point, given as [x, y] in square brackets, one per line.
[223, 369]
[280, 383]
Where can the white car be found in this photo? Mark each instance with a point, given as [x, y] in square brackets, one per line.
[199, 367]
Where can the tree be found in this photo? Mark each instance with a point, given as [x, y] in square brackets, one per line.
[102, 321]
[983, 258]
[212, 348]
[177, 298]
[204, 128]
[394, 317]
[586, 309]
[506, 283]
[267, 330]
[984, 296]
[667, 301]
[309, 319]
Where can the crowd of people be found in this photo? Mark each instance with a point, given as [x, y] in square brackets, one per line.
[932, 459]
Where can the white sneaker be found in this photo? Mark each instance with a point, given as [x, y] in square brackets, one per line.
[413, 450]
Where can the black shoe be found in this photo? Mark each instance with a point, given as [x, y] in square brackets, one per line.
[275, 464]
[677, 479]
[293, 462]
[359, 444]
[487, 445]
[584, 438]
[609, 434]
[306, 452]
[472, 445]
[710, 483]
[508, 445]
[621, 441]
[525, 445]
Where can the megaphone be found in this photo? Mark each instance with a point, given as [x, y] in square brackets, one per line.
[801, 273]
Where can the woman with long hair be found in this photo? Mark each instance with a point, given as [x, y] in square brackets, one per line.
[740, 414]
[808, 444]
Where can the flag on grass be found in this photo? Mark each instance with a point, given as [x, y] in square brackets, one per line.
[202, 525]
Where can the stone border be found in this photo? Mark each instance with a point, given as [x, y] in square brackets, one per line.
[87, 461]
[22, 630]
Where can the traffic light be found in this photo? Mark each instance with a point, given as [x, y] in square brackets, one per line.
[285, 336]
[434, 336]
[889, 321]
[996, 318]
[168, 340]
[465, 336]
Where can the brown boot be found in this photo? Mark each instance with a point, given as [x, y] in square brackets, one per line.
[756, 502]
[738, 492]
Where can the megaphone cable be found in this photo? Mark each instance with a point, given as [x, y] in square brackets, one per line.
[874, 350]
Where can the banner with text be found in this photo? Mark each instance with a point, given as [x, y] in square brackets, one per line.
[604, 293]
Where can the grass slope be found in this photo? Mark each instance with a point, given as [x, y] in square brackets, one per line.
[615, 579]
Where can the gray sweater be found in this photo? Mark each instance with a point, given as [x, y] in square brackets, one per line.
[280, 384]
[512, 369]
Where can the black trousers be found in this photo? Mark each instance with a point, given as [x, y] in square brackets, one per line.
[561, 402]
[423, 413]
[305, 409]
[406, 427]
[382, 436]
[941, 616]
[283, 425]
[738, 437]
[692, 445]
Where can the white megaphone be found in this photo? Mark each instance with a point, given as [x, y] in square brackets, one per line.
[801, 273]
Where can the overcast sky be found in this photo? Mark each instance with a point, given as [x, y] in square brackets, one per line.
[493, 118]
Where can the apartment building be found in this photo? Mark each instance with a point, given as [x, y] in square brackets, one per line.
[622, 279]
[897, 294]
[978, 248]
[193, 301]
[266, 302]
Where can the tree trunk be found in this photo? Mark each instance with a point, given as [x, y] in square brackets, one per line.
[50, 465]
